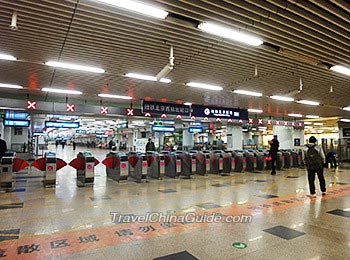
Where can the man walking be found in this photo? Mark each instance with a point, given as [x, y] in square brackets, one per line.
[150, 146]
[314, 160]
[274, 145]
[3, 147]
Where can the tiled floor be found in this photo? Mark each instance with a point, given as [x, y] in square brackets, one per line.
[69, 222]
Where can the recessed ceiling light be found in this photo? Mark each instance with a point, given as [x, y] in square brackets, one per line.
[295, 115]
[62, 91]
[188, 104]
[138, 7]
[7, 57]
[248, 93]
[341, 69]
[312, 116]
[3, 85]
[255, 110]
[345, 120]
[229, 33]
[319, 124]
[114, 96]
[146, 77]
[308, 102]
[204, 86]
[281, 98]
[307, 123]
[74, 67]
[346, 108]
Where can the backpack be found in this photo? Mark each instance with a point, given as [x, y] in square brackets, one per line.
[313, 159]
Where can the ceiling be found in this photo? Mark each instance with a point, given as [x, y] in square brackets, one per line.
[302, 39]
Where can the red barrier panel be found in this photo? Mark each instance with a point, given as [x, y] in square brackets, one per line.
[18, 164]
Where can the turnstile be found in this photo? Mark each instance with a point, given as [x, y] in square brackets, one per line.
[135, 166]
[113, 165]
[239, 164]
[50, 169]
[200, 166]
[260, 160]
[249, 156]
[153, 165]
[183, 164]
[170, 163]
[85, 163]
[279, 161]
[287, 159]
[6, 170]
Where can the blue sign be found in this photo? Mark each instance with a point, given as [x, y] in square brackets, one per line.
[16, 115]
[100, 132]
[163, 128]
[219, 112]
[165, 108]
[195, 130]
[50, 124]
[82, 132]
[19, 123]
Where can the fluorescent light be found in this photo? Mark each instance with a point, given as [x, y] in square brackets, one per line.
[138, 7]
[188, 104]
[74, 67]
[255, 110]
[307, 123]
[346, 108]
[341, 69]
[308, 102]
[2, 85]
[12, 108]
[62, 91]
[146, 77]
[320, 124]
[345, 120]
[248, 93]
[232, 34]
[114, 96]
[312, 116]
[204, 86]
[7, 57]
[295, 115]
[287, 99]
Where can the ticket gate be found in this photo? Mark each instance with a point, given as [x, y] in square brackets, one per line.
[279, 161]
[207, 161]
[300, 155]
[49, 164]
[225, 163]
[85, 165]
[135, 166]
[113, 165]
[267, 159]
[287, 159]
[296, 159]
[183, 164]
[6, 170]
[153, 165]
[200, 166]
[249, 156]
[214, 166]
[170, 164]
[260, 160]
[124, 168]
[239, 164]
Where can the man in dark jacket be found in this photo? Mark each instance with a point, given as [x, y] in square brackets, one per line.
[274, 145]
[3, 147]
[150, 146]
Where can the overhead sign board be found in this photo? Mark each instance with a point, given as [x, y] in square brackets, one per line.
[219, 112]
[163, 129]
[195, 130]
[82, 132]
[16, 115]
[16, 123]
[165, 108]
[50, 124]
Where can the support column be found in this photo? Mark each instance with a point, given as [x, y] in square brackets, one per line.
[234, 138]
[284, 136]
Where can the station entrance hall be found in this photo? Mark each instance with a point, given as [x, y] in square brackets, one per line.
[174, 130]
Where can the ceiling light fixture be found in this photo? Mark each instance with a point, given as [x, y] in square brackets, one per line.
[188, 104]
[295, 115]
[312, 116]
[3, 85]
[232, 34]
[341, 69]
[255, 110]
[345, 120]
[71, 66]
[281, 98]
[248, 93]
[62, 91]
[114, 96]
[7, 57]
[204, 86]
[346, 108]
[138, 7]
[146, 77]
[319, 124]
[308, 102]
[307, 123]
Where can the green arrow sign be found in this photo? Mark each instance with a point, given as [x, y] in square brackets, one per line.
[239, 245]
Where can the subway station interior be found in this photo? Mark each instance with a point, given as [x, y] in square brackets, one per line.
[175, 130]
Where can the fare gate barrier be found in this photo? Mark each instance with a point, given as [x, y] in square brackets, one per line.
[153, 165]
[239, 164]
[200, 163]
[207, 161]
[85, 165]
[49, 164]
[260, 161]
[113, 165]
[249, 162]
[267, 161]
[6, 170]
[296, 159]
[161, 165]
[144, 166]
[287, 159]
[214, 163]
[124, 168]
[227, 164]
[135, 166]
[183, 164]
[279, 161]
[170, 164]
[193, 162]
[300, 155]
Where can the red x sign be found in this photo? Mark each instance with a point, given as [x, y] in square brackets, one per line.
[104, 110]
[70, 107]
[260, 121]
[250, 121]
[293, 123]
[129, 111]
[285, 123]
[269, 122]
[300, 124]
[31, 105]
[277, 122]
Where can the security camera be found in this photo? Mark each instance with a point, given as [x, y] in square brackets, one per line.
[13, 25]
[164, 72]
